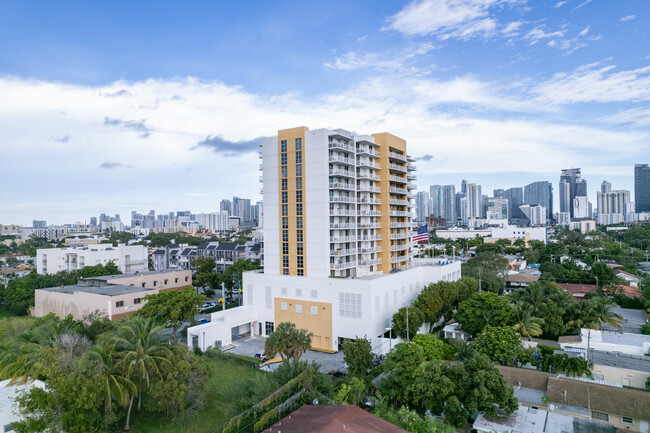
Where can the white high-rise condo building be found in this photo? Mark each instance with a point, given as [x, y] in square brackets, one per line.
[129, 259]
[337, 241]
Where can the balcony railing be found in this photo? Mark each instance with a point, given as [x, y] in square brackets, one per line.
[342, 146]
[341, 159]
[345, 265]
[369, 250]
[344, 252]
[368, 176]
[369, 226]
[397, 156]
[369, 201]
[396, 190]
[341, 199]
[400, 168]
[371, 262]
[343, 226]
[343, 212]
[369, 237]
[341, 185]
[399, 213]
[368, 188]
[340, 239]
[362, 163]
[344, 173]
[398, 179]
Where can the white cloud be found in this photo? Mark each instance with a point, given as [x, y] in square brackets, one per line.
[511, 29]
[627, 18]
[538, 33]
[633, 117]
[466, 123]
[462, 19]
[559, 4]
[596, 83]
[584, 32]
[386, 62]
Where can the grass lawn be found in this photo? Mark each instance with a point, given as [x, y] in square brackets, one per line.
[223, 394]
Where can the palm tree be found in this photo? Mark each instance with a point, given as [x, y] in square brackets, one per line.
[601, 308]
[525, 323]
[118, 387]
[142, 351]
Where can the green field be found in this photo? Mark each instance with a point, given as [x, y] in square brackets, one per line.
[223, 394]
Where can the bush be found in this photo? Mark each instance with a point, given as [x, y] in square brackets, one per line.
[645, 329]
[545, 350]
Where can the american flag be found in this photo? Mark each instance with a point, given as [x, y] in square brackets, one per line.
[423, 234]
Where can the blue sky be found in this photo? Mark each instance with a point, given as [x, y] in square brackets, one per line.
[113, 106]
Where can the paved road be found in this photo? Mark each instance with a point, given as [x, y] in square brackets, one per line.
[249, 346]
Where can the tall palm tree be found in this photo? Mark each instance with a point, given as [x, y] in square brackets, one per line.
[118, 387]
[142, 351]
[601, 308]
[525, 323]
[535, 295]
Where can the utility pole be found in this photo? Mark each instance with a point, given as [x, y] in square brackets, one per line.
[223, 296]
[407, 324]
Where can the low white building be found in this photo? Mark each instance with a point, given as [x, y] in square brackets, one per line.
[502, 232]
[129, 259]
[331, 308]
[609, 341]
[8, 406]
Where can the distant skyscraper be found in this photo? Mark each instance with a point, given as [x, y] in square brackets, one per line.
[462, 208]
[540, 193]
[449, 203]
[39, 224]
[463, 185]
[642, 187]
[605, 187]
[435, 192]
[226, 205]
[498, 193]
[515, 197]
[497, 209]
[565, 197]
[474, 201]
[93, 221]
[422, 206]
[577, 187]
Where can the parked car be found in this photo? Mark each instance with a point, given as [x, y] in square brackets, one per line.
[262, 356]
[340, 374]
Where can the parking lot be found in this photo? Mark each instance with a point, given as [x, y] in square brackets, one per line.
[249, 346]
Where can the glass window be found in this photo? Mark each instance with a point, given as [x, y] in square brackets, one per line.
[298, 157]
[299, 209]
[285, 235]
[285, 261]
[285, 210]
[137, 300]
[285, 196]
[299, 236]
[285, 271]
[299, 196]
[283, 158]
[119, 304]
[300, 272]
[298, 222]
[313, 311]
[283, 146]
[283, 306]
[299, 248]
[298, 308]
[284, 184]
[298, 143]
[299, 170]
[600, 416]
[285, 248]
[285, 222]
[269, 328]
[627, 420]
[299, 183]
[284, 171]
[299, 261]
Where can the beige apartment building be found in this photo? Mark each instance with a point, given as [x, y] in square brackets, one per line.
[116, 296]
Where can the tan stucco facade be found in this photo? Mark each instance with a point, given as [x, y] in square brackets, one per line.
[301, 312]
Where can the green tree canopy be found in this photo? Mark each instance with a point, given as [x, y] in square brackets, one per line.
[483, 309]
[488, 267]
[172, 307]
[357, 354]
[287, 340]
[407, 329]
[500, 343]
[433, 347]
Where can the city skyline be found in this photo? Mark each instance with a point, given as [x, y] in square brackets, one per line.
[166, 111]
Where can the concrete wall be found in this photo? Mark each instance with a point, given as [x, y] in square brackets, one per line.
[169, 280]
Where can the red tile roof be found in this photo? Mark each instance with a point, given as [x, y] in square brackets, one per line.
[575, 289]
[332, 419]
[619, 272]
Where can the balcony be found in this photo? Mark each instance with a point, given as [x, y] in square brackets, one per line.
[400, 213]
[371, 262]
[342, 212]
[411, 176]
[341, 146]
[343, 226]
[396, 190]
[401, 247]
[343, 252]
[342, 200]
[395, 167]
[401, 225]
[341, 159]
[399, 236]
[368, 176]
[343, 265]
[362, 163]
[398, 202]
[398, 179]
[341, 185]
[261, 167]
[368, 188]
[342, 239]
[411, 167]
[397, 156]
[367, 151]
[399, 259]
[343, 173]
[369, 201]
[369, 213]
[369, 250]
[369, 237]
[411, 186]
[369, 226]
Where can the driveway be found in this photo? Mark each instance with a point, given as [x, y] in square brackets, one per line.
[249, 346]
